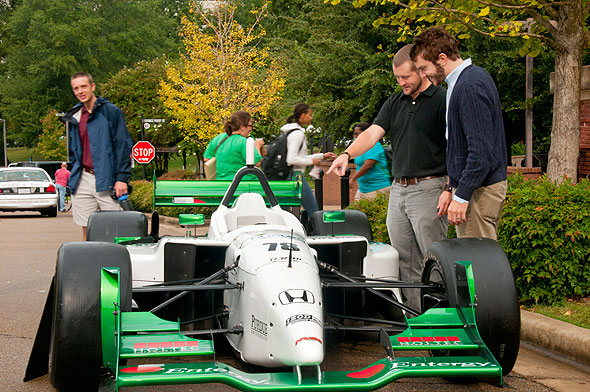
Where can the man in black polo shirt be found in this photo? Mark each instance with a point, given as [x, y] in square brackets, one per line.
[419, 198]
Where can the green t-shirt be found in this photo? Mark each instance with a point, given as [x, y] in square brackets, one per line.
[209, 151]
[230, 156]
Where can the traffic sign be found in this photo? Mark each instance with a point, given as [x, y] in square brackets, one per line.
[154, 120]
[143, 152]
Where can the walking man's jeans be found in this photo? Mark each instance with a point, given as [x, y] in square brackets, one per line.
[61, 191]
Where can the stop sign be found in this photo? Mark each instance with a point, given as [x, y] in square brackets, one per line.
[143, 152]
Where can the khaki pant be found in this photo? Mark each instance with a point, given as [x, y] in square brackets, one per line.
[483, 213]
[370, 195]
[86, 200]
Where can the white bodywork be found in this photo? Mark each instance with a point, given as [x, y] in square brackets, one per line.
[279, 303]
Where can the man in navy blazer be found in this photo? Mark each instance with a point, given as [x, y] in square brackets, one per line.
[476, 147]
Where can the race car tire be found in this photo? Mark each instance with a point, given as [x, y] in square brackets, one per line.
[497, 311]
[104, 226]
[356, 222]
[75, 356]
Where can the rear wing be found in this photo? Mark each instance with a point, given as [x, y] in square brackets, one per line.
[204, 193]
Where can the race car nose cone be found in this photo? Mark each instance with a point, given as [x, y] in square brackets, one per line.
[309, 350]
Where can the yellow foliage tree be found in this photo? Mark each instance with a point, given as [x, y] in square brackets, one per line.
[222, 70]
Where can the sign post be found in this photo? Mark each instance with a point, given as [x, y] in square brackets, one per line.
[146, 124]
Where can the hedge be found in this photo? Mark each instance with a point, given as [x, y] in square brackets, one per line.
[545, 231]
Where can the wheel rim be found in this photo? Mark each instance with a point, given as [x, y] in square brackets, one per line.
[436, 296]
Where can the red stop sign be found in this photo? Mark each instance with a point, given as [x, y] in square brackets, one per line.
[143, 152]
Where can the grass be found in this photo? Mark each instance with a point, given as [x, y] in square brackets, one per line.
[18, 154]
[576, 312]
[175, 162]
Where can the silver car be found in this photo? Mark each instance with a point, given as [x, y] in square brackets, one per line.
[27, 189]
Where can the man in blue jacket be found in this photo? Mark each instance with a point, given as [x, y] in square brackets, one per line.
[476, 147]
[100, 151]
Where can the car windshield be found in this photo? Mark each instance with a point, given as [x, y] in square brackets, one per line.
[22, 175]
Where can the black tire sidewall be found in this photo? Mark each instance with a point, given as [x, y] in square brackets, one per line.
[76, 347]
[497, 311]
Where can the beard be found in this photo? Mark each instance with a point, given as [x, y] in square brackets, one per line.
[439, 76]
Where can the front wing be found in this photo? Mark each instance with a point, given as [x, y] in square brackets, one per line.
[128, 335]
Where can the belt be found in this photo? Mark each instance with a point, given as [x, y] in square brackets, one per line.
[88, 170]
[405, 181]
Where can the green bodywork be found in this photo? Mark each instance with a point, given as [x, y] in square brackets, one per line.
[203, 193]
[143, 335]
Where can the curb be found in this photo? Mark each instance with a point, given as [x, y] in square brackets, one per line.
[562, 338]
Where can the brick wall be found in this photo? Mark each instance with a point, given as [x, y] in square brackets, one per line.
[584, 161]
[332, 185]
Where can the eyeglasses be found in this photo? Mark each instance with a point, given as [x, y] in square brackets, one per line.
[250, 125]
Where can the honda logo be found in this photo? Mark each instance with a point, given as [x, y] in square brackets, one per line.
[296, 296]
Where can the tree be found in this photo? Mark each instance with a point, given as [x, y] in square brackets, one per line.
[45, 42]
[507, 67]
[223, 69]
[135, 91]
[52, 141]
[337, 62]
[558, 24]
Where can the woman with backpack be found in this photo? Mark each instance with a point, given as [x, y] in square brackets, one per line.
[229, 148]
[372, 171]
[297, 153]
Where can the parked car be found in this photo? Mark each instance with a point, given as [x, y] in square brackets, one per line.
[49, 166]
[27, 189]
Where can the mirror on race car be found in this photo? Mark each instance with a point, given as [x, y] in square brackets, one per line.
[334, 217]
[191, 219]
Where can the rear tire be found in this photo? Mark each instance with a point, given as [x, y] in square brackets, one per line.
[497, 312]
[75, 356]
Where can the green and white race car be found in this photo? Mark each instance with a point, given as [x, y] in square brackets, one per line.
[120, 305]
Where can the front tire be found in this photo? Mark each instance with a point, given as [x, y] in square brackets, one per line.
[75, 356]
[497, 312]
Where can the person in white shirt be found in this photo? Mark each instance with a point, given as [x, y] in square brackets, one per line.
[297, 153]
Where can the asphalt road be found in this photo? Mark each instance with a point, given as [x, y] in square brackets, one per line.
[28, 248]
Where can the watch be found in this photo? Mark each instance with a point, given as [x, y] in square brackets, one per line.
[448, 188]
[347, 153]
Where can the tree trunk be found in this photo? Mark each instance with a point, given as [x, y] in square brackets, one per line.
[565, 134]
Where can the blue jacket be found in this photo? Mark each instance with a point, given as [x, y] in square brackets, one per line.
[476, 149]
[110, 145]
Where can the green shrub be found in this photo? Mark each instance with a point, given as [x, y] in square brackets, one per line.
[545, 231]
[376, 210]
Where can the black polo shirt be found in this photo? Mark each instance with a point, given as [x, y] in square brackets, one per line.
[417, 131]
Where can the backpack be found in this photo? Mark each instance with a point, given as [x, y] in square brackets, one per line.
[274, 163]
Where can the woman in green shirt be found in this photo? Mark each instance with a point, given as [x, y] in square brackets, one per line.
[229, 148]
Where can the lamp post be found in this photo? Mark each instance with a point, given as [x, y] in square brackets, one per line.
[60, 116]
[4, 140]
[528, 118]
